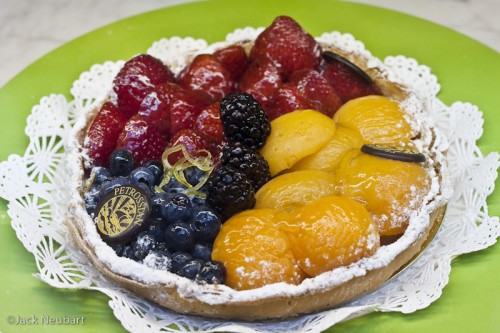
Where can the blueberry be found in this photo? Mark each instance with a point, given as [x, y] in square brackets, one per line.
[144, 243]
[118, 249]
[212, 272]
[143, 175]
[177, 208]
[158, 201]
[121, 162]
[190, 269]
[202, 251]
[158, 260]
[128, 252]
[91, 199]
[101, 175]
[197, 202]
[110, 185]
[193, 175]
[156, 228]
[179, 259]
[145, 187]
[179, 237]
[156, 168]
[174, 186]
[206, 225]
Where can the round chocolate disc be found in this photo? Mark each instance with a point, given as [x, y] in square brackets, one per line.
[122, 213]
[393, 153]
[330, 56]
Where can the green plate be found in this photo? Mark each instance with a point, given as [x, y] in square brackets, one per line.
[467, 71]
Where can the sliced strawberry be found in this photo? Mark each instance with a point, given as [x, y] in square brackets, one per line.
[287, 99]
[191, 140]
[346, 82]
[143, 140]
[209, 125]
[155, 110]
[287, 45]
[316, 91]
[261, 80]
[136, 79]
[184, 105]
[234, 59]
[103, 133]
[207, 74]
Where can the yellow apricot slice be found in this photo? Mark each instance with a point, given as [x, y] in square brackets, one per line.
[292, 190]
[294, 136]
[390, 189]
[255, 252]
[328, 158]
[331, 232]
[378, 119]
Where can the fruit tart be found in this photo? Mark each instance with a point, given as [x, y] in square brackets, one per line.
[259, 179]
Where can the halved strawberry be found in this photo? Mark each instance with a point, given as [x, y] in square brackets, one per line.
[316, 91]
[261, 80]
[142, 139]
[103, 133]
[234, 59]
[287, 99]
[209, 125]
[207, 74]
[155, 109]
[136, 79]
[288, 45]
[184, 105]
[191, 140]
[346, 82]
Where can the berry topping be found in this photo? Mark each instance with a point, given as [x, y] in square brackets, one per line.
[177, 208]
[191, 269]
[229, 191]
[121, 162]
[207, 74]
[103, 134]
[287, 99]
[155, 110]
[286, 44]
[261, 80]
[244, 120]
[248, 161]
[179, 237]
[143, 140]
[143, 175]
[144, 243]
[156, 168]
[202, 251]
[192, 142]
[205, 225]
[136, 79]
[212, 272]
[209, 125]
[234, 59]
[193, 175]
[100, 175]
[158, 260]
[179, 259]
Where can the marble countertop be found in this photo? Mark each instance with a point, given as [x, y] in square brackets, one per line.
[31, 28]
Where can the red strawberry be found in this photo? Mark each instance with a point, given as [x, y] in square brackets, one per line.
[209, 125]
[287, 99]
[191, 140]
[155, 110]
[287, 45]
[143, 140]
[346, 82]
[103, 133]
[261, 80]
[207, 74]
[136, 79]
[184, 106]
[234, 59]
[316, 91]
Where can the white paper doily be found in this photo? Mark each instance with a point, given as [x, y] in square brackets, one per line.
[32, 186]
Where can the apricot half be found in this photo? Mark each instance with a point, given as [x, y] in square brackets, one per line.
[391, 190]
[255, 252]
[377, 118]
[292, 190]
[331, 232]
[294, 136]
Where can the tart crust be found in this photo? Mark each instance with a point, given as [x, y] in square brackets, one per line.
[279, 305]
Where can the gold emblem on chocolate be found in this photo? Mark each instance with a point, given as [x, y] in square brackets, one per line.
[122, 213]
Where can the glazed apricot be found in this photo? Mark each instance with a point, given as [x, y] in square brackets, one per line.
[378, 119]
[390, 189]
[331, 232]
[255, 251]
[292, 190]
[328, 158]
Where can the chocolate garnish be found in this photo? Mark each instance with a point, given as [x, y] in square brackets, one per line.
[330, 56]
[394, 153]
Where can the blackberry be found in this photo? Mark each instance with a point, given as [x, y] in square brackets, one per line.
[229, 192]
[244, 120]
[248, 161]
